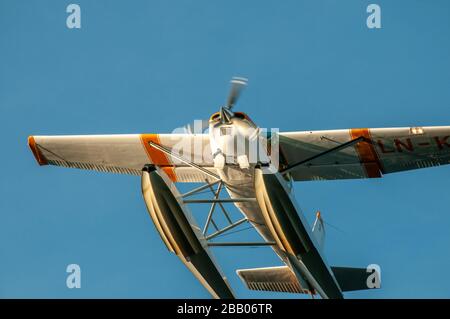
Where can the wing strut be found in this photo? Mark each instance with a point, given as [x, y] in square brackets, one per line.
[168, 152]
[331, 150]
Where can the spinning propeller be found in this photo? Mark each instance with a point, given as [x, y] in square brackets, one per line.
[225, 113]
[237, 85]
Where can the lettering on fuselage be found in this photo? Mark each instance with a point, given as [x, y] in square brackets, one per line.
[408, 145]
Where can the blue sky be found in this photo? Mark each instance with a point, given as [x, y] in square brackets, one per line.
[152, 66]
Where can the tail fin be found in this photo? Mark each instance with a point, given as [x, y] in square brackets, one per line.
[350, 279]
[319, 230]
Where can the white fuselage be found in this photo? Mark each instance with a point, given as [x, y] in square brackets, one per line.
[237, 147]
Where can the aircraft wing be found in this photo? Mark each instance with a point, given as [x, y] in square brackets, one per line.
[126, 154]
[380, 151]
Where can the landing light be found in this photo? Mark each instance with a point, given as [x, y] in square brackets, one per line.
[416, 130]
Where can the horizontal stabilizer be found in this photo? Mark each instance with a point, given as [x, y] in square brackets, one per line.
[350, 279]
[280, 279]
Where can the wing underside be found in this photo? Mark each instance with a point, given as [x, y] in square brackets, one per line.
[124, 154]
[382, 151]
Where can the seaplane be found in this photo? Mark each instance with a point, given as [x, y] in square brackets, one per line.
[256, 169]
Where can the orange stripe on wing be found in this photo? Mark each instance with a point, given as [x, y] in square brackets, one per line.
[36, 152]
[156, 156]
[366, 152]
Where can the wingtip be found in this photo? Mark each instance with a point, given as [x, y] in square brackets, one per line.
[36, 152]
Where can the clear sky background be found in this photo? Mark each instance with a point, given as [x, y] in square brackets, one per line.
[152, 66]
